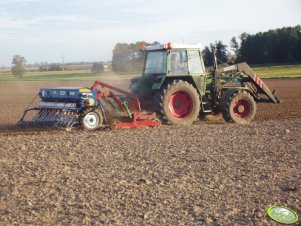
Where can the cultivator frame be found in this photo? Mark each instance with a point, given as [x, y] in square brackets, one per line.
[132, 111]
[98, 101]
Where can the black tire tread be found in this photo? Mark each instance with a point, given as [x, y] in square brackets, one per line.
[230, 96]
[164, 111]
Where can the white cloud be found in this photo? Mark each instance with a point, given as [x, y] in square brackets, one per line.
[22, 2]
[86, 29]
[59, 19]
[10, 22]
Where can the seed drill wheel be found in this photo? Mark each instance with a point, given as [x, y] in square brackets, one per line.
[92, 119]
[180, 103]
[238, 106]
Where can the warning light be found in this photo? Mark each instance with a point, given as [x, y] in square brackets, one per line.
[168, 45]
[142, 47]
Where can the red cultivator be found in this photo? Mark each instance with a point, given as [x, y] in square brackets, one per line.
[127, 107]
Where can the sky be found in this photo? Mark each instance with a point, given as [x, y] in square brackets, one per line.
[87, 30]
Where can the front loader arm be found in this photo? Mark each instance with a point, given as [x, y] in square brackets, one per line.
[260, 86]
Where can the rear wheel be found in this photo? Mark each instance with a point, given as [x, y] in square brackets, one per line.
[238, 106]
[92, 119]
[157, 101]
[180, 103]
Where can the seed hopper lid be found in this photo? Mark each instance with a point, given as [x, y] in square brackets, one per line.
[282, 214]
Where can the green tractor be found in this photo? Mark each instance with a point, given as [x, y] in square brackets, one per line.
[180, 89]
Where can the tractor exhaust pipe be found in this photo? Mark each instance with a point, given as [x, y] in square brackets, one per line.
[216, 75]
[214, 58]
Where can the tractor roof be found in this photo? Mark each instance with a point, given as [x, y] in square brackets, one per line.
[171, 46]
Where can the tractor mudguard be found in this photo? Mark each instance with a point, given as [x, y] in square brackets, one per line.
[196, 81]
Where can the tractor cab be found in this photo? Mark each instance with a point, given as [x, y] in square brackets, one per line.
[164, 63]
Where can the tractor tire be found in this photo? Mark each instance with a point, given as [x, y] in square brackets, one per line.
[225, 96]
[92, 119]
[157, 101]
[179, 103]
[238, 106]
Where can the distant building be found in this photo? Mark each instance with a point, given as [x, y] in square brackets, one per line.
[107, 66]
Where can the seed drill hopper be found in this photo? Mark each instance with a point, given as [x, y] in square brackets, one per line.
[101, 106]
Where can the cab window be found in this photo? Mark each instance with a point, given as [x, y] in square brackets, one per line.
[155, 62]
[178, 62]
[195, 65]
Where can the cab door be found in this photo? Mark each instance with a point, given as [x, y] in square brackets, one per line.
[196, 68]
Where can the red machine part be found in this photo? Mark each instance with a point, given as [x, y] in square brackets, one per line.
[180, 104]
[138, 119]
[242, 108]
[135, 104]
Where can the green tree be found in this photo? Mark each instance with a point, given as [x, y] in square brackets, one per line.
[121, 57]
[97, 68]
[18, 66]
[243, 36]
[208, 56]
[43, 66]
[128, 57]
[220, 52]
[55, 67]
[281, 45]
[234, 45]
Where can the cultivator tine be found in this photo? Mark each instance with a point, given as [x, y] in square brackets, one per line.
[55, 117]
[48, 115]
[65, 118]
[36, 116]
[58, 117]
[62, 118]
[43, 115]
[71, 119]
[39, 116]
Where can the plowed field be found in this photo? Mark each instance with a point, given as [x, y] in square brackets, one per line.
[210, 173]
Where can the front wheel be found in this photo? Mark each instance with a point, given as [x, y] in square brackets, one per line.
[92, 120]
[179, 103]
[238, 106]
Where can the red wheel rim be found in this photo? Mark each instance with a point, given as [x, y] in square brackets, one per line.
[242, 108]
[180, 104]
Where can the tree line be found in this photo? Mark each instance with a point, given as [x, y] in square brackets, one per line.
[19, 66]
[128, 57]
[274, 46]
[277, 46]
